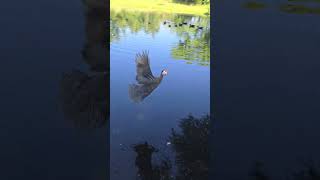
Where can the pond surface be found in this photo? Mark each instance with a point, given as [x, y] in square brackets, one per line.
[266, 91]
[185, 52]
[53, 126]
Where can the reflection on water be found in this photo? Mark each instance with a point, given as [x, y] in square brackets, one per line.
[191, 146]
[194, 42]
[191, 149]
[308, 171]
[267, 100]
[84, 98]
[143, 144]
[85, 94]
[193, 32]
[44, 98]
[289, 6]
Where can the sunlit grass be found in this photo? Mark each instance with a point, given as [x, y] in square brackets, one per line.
[164, 6]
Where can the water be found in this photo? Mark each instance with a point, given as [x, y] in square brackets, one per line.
[40, 132]
[266, 91]
[185, 52]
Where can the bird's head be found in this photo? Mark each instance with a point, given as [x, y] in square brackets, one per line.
[164, 72]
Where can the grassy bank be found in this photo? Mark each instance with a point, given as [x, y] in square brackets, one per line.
[164, 6]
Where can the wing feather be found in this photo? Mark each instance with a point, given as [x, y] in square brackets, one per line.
[143, 65]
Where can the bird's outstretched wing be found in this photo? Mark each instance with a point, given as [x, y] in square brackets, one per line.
[143, 65]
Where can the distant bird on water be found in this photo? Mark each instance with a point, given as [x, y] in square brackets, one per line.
[146, 81]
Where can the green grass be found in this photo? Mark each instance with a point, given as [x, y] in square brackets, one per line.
[163, 6]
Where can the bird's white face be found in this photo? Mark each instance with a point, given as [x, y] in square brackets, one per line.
[164, 72]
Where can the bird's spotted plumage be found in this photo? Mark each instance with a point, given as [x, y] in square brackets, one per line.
[144, 73]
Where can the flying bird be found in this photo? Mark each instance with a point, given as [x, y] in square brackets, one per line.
[147, 82]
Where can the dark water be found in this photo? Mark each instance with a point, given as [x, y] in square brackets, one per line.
[185, 52]
[266, 89]
[53, 126]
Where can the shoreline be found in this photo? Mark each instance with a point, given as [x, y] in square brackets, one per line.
[160, 6]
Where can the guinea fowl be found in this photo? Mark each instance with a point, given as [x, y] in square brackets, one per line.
[146, 81]
[144, 74]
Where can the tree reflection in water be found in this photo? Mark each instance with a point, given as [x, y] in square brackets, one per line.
[191, 149]
[194, 43]
[85, 94]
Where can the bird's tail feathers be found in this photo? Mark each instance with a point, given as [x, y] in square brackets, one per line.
[134, 93]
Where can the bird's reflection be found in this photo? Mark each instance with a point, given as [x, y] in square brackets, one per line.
[85, 94]
[147, 82]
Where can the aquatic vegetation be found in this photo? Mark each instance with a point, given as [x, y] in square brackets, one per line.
[299, 9]
[254, 5]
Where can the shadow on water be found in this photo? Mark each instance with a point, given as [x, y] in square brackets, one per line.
[190, 145]
[85, 94]
[193, 32]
